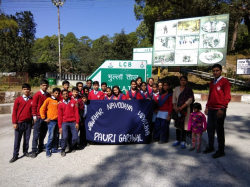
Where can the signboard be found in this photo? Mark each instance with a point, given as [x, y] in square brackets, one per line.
[243, 67]
[120, 72]
[174, 69]
[200, 41]
[118, 122]
[144, 54]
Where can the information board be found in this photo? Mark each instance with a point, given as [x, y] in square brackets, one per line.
[200, 41]
[144, 54]
[120, 72]
[243, 67]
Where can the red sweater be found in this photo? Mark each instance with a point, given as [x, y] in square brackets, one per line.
[117, 97]
[127, 95]
[60, 98]
[68, 112]
[38, 100]
[22, 110]
[98, 96]
[156, 98]
[168, 105]
[80, 103]
[219, 94]
[150, 89]
[139, 96]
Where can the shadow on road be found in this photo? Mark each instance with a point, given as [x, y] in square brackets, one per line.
[161, 165]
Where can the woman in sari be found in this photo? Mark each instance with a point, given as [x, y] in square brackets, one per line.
[183, 99]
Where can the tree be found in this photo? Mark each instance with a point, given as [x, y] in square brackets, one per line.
[122, 47]
[162, 10]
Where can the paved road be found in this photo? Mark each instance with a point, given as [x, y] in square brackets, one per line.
[134, 165]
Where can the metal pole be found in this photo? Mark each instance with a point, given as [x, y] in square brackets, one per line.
[159, 73]
[59, 43]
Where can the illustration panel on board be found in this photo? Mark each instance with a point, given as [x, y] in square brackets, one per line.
[200, 41]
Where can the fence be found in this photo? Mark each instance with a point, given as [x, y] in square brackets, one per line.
[14, 78]
[69, 76]
[210, 76]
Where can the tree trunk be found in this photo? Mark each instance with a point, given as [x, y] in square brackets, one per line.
[247, 22]
[234, 39]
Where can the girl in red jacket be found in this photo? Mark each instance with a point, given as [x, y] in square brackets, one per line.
[131, 94]
[109, 95]
[143, 94]
[161, 128]
[118, 95]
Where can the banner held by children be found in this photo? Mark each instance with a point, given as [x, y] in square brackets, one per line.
[118, 122]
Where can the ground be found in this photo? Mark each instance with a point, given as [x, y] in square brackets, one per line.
[134, 165]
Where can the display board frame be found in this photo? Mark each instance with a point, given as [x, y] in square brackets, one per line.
[241, 63]
[199, 41]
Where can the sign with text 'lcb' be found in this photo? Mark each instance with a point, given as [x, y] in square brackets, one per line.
[120, 72]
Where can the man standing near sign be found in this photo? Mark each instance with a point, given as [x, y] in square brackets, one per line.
[218, 99]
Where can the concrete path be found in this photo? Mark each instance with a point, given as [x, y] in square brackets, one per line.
[134, 165]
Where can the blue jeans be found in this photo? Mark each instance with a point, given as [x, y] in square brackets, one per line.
[52, 143]
[161, 129]
[66, 127]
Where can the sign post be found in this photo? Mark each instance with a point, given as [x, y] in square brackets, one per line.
[120, 72]
[144, 54]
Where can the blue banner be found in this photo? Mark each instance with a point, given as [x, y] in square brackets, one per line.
[118, 122]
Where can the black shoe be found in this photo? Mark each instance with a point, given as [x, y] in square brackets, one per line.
[162, 142]
[155, 140]
[208, 150]
[33, 154]
[27, 154]
[15, 158]
[63, 154]
[198, 151]
[218, 154]
[40, 151]
[191, 148]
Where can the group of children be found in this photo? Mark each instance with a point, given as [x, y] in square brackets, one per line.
[65, 111]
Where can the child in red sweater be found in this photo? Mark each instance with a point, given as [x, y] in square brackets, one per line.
[96, 94]
[40, 126]
[161, 128]
[104, 87]
[80, 103]
[109, 95]
[131, 94]
[150, 85]
[143, 93]
[65, 85]
[117, 93]
[68, 118]
[79, 85]
[22, 121]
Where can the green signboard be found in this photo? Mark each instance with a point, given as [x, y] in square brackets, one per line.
[200, 41]
[120, 72]
[144, 54]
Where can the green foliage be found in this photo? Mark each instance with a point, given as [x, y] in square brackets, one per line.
[16, 42]
[82, 55]
[35, 81]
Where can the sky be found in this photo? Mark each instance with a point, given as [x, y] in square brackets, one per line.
[92, 18]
